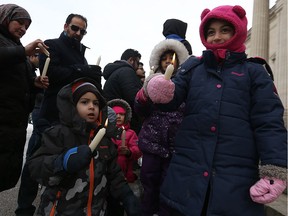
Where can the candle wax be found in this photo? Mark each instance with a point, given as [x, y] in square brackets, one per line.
[123, 137]
[98, 60]
[46, 67]
[97, 139]
[169, 72]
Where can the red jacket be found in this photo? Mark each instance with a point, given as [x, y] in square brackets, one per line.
[126, 162]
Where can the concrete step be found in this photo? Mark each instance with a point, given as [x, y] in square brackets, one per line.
[278, 207]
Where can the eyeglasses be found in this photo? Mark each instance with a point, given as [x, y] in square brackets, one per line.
[76, 29]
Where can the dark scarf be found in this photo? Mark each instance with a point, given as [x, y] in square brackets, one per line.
[10, 12]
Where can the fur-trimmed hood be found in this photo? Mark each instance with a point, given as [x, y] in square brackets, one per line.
[167, 44]
[122, 103]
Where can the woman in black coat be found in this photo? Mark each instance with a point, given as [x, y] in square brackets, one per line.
[17, 88]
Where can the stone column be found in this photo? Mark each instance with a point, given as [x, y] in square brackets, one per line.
[283, 56]
[260, 29]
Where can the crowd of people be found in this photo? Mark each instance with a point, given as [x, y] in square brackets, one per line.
[210, 135]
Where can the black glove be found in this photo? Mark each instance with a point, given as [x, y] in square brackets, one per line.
[76, 158]
[91, 71]
[131, 204]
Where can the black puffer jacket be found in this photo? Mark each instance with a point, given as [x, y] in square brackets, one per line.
[75, 188]
[122, 83]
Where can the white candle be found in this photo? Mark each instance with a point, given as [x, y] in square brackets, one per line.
[123, 137]
[169, 72]
[170, 69]
[44, 72]
[98, 60]
[98, 137]
[43, 49]
[152, 70]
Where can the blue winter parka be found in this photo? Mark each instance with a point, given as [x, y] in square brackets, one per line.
[233, 119]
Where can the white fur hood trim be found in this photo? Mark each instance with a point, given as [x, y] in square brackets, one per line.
[168, 44]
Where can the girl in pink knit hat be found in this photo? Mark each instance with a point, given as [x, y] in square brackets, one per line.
[126, 139]
[231, 149]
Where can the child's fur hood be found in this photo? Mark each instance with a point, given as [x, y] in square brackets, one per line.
[122, 103]
[168, 44]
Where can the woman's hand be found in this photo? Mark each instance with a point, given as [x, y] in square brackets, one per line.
[41, 82]
[33, 47]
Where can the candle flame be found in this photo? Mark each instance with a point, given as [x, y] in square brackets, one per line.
[106, 123]
[173, 59]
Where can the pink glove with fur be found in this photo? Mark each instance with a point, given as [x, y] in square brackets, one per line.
[267, 190]
[160, 90]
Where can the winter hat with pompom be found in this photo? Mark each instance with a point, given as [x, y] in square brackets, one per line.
[235, 15]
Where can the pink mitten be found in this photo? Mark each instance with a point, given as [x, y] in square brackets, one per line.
[160, 90]
[267, 190]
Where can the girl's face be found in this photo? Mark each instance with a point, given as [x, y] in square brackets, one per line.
[167, 60]
[18, 28]
[120, 117]
[219, 32]
[88, 107]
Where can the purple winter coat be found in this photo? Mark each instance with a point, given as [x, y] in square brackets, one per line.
[159, 129]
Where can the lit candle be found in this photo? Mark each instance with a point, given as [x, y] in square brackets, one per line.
[98, 60]
[123, 137]
[98, 137]
[170, 69]
[43, 49]
[44, 72]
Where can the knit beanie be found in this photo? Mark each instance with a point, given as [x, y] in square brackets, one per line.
[235, 15]
[119, 109]
[174, 26]
[81, 87]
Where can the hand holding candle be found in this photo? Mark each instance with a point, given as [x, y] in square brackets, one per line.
[170, 69]
[123, 137]
[98, 137]
[98, 60]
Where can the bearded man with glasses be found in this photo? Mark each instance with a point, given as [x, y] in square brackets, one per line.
[67, 63]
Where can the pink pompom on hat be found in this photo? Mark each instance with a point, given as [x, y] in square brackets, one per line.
[235, 15]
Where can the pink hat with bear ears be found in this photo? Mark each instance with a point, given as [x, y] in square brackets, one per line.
[235, 15]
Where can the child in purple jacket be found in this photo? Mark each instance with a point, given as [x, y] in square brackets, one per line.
[156, 137]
